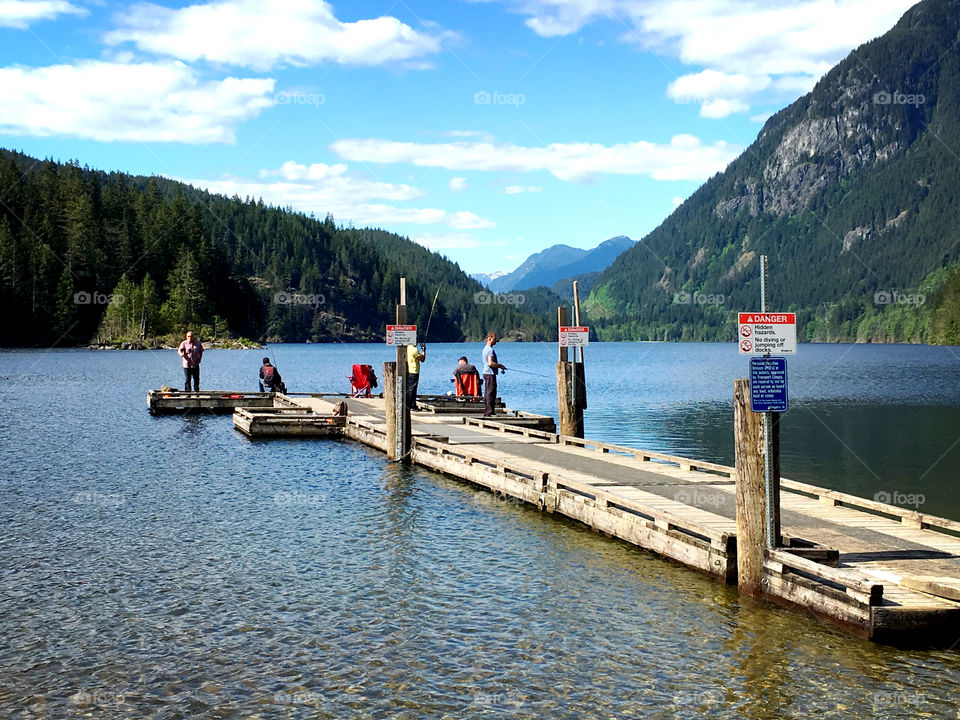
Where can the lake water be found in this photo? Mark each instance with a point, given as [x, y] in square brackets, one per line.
[168, 567]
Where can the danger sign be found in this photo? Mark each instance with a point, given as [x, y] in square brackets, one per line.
[768, 333]
[401, 334]
[574, 336]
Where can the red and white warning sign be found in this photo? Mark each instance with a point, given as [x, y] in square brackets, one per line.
[574, 336]
[768, 334]
[401, 334]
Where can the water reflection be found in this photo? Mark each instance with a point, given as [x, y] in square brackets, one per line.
[171, 568]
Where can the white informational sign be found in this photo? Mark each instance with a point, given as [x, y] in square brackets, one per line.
[401, 334]
[767, 333]
[575, 336]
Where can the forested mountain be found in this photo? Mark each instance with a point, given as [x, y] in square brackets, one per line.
[853, 192]
[88, 255]
[560, 262]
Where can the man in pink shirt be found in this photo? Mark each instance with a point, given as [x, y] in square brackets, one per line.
[190, 352]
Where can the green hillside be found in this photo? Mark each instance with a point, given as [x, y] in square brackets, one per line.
[89, 256]
[853, 191]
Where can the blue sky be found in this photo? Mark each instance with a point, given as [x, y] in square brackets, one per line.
[486, 130]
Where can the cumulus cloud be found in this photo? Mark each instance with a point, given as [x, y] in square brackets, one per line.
[721, 108]
[320, 188]
[267, 33]
[142, 102]
[684, 158]
[458, 184]
[746, 46]
[21, 14]
[517, 189]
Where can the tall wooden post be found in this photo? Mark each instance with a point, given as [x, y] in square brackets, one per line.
[750, 489]
[571, 394]
[390, 406]
[402, 402]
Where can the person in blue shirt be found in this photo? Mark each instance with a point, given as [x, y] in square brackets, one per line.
[490, 368]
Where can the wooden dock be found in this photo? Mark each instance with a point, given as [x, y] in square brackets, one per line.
[886, 573]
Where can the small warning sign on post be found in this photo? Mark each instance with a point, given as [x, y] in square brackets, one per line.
[401, 334]
[768, 384]
[767, 333]
[574, 336]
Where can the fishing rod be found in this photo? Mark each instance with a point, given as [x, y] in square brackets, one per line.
[527, 372]
[432, 308]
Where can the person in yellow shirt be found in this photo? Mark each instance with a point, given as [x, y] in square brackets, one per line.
[414, 358]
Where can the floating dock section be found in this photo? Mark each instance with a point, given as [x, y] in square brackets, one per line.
[885, 573]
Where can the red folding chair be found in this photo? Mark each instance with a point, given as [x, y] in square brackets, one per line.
[361, 381]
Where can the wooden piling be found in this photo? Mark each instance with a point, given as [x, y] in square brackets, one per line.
[569, 388]
[750, 490]
[402, 403]
[390, 407]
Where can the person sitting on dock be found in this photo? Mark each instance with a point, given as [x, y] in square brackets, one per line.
[466, 379]
[270, 380]
[414, 358]
[190, 352]
[490, 367]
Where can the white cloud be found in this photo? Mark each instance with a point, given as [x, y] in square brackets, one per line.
[684, 158]
[321, 188]
[711, 84]
[516, 189]
[458, 184]
[721, 108]
[745, 46]
[21, 13]
[266, 33]
[145, 102]
[320, 183]
[677, 202]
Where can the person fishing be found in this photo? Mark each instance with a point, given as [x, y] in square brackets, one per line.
[490, 368]
[466, 379]
[270, 380]
[415, 356]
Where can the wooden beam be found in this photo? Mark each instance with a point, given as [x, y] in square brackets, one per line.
[750, 492]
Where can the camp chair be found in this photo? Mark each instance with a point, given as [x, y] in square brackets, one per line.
[467, 384]
[362, 380]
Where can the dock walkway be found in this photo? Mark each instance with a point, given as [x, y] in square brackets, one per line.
[884, 572]
[887, 573]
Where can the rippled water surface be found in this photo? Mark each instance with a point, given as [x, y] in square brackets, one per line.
[170, 568]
